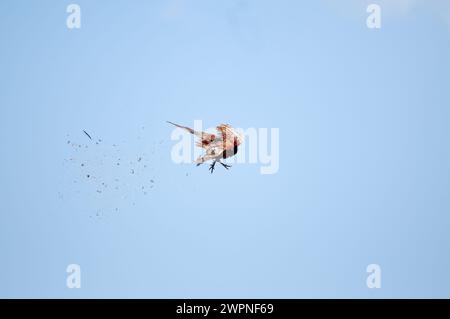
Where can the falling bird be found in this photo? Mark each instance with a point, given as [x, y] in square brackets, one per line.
[218, 146]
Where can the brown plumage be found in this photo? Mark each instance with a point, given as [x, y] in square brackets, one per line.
[218, 146]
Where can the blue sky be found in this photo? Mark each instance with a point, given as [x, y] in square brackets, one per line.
[364, 159]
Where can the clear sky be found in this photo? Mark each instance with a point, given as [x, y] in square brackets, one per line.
[364, 173]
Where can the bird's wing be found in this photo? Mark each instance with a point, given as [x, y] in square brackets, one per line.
[214, 150]
[204, 138]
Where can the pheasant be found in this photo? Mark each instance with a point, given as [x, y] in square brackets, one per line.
[218, 146]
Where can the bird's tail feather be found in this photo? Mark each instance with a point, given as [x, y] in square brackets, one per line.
[183, 127]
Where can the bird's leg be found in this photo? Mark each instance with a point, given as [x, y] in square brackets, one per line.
[211, 167]
[225, 165]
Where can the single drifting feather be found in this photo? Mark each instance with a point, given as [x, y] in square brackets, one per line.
[218, 146]
[87, 134]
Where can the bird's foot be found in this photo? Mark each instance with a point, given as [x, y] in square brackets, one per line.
[225, 165]
[211, 167]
